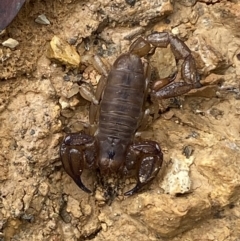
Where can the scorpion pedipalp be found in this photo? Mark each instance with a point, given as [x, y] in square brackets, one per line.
[146, 158]
[78, 151]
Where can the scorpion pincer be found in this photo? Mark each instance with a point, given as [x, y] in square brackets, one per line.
[113, 150]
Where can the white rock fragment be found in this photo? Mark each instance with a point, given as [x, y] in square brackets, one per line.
[42, 19]
[175, 31]
[177, 180]
[64, 103]
[104, 227]
[10, 43]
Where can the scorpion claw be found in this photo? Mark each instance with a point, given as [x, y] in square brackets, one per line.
[81, 185]
[134, 190]
[78, 150]
[147, 157]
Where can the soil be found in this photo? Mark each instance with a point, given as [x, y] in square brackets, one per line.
[196, 195]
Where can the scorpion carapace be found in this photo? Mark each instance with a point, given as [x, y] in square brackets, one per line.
[113, 151]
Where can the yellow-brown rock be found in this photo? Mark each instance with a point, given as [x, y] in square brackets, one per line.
[63, 52]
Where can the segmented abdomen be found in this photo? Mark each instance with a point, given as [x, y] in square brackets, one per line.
[121, 105]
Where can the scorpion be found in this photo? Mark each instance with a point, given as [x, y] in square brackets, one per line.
[113, 150]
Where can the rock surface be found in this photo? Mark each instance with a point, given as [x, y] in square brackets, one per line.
[196, 194]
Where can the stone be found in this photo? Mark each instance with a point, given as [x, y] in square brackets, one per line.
[42, 19]
[10, 43]
[63, 52]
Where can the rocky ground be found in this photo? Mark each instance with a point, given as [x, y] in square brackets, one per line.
[195, 196]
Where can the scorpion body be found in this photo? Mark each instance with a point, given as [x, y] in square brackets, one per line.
[113, 150]
[120, 111]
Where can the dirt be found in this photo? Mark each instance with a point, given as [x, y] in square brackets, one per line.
[196, 194]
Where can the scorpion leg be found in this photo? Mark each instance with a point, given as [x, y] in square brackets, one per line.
[87, 92]
[94, 109]
[78, 151]
[94, 97]
[146, 157]
[189, 73]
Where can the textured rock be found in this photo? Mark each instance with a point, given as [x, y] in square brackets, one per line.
[141, 13]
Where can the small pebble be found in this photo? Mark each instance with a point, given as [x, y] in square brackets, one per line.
[10, 43]
[67, 113]
[99, 196]
[131, 2]
[64, 103]
[74, 101]
[66, 78]
[175, 31]
[73, 91]
[73, 40]
[104, 227]
[32, 132]
[42, 19]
